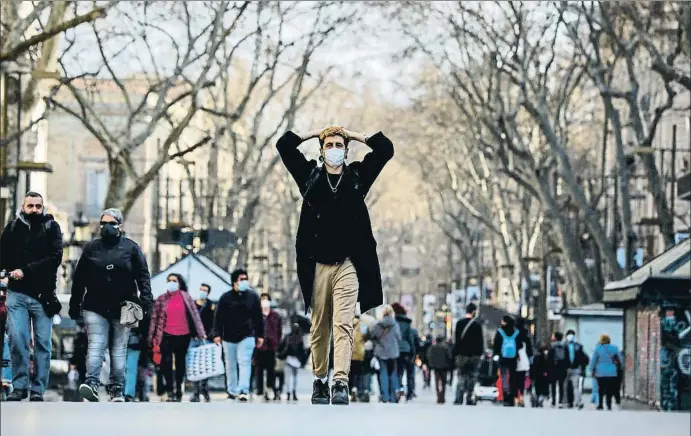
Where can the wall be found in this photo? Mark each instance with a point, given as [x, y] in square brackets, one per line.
[675, 357]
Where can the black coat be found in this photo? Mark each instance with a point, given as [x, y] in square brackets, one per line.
[111, 275]
[37, 251]
[363, 174]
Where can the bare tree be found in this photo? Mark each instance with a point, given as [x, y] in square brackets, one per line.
[174, 49]
[514, 84]
[51, 18]
[620, 39]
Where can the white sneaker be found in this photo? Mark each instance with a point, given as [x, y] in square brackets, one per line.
[243, 397]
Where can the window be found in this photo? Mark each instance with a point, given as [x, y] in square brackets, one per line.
[96, 190]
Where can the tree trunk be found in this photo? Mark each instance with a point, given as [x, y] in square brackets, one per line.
[567, 242]
[622, 183]
[117, 187]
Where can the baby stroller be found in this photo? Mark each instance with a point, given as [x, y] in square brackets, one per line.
[486, 386]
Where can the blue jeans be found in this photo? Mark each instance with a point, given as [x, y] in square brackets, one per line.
[22, 312]
[132, 372]
[388, 378]
[6, 373]
[238, 359]
[104, 333]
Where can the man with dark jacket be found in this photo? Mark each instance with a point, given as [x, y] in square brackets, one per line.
[265, 356]
[557, 355]
[239, 324]
[31, 252]
[468, 349]
[207, 310]
[440, 362]
[577, 361]
[406, 347]
[335, 249]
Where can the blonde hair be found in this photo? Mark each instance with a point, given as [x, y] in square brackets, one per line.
[333, 131]
[387, 310]
[604, 339]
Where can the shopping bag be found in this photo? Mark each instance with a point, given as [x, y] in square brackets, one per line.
[205, 361]
[500, 390]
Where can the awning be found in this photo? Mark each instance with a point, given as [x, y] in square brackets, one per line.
[668, 274]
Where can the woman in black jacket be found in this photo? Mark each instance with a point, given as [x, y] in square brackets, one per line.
[111, 271]
[294, 352]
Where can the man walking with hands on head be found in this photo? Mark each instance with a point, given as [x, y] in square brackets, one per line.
[335, 247]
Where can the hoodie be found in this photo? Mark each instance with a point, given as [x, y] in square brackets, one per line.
[386, 336]
[407, 343]
[34, 248]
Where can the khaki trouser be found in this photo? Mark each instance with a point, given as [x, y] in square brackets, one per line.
[333, 303]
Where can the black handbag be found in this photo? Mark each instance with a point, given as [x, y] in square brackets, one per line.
[51, 304]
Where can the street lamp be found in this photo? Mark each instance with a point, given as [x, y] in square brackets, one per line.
[72, 251]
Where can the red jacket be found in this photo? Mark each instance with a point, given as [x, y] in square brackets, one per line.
[273, 332]
[160, 315]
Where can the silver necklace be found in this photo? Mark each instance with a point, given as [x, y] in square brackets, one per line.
[334, 188]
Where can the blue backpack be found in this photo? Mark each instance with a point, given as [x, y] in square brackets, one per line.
[508, 345]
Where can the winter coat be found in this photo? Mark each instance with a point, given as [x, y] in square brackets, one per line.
[604, 361]
[439, 357]
[499, 341]
[107, 275]
[160, 316]
[407, 343]
[36, 250]
[386, 336]
[239, 316]
[359, 338]
[358, 177]
[206, 313]
[580, 359]
[273, 331]
[293, 346]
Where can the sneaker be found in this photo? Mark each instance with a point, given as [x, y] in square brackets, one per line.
[116, 395]
[129, 399]
[364, 398]
[35, 396]
[18, 395]
[243, 397]
[89, 391]
[339, 393]
[232, 397]
[320, 392]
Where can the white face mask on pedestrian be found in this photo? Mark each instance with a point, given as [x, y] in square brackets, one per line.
[334, 157]
[570, 338]
[243, 285]
[172, 286]
[266, 305]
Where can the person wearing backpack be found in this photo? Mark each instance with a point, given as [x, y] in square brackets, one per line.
[31, 251]
[336, 252]
[507, 341]
[558, 356]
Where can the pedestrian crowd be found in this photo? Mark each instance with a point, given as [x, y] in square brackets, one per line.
[121, 324]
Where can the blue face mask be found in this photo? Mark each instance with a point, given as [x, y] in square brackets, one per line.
[243, 285]
[172, 286]
[203, 295]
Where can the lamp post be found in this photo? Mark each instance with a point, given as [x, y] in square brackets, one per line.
[73, 248]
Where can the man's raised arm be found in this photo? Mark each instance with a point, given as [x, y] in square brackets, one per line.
[292, 158]
[374, 161]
